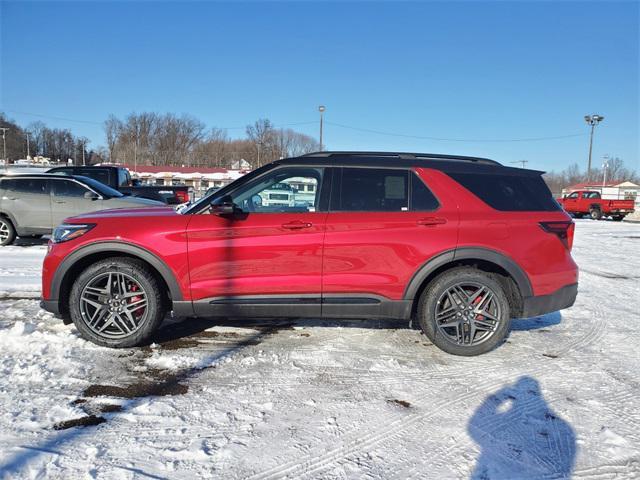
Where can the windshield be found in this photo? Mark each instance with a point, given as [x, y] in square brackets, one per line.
[101, 188]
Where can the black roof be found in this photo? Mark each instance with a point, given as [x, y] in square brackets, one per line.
[446, 163]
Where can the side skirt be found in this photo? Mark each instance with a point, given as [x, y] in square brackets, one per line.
[330, 306]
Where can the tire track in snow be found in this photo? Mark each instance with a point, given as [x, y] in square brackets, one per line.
[358, 443]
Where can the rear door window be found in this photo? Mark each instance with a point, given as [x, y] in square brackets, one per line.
[510, 193]
[371, 190]
[422, 200]
[28, 186]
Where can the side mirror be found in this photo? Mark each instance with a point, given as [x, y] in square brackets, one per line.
[223, 206]
[91, 196]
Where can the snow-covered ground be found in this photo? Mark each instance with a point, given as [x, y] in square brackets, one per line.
[310, 399]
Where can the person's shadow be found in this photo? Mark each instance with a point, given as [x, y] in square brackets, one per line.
[520, 436]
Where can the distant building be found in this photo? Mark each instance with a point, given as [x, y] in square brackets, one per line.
[199, 178]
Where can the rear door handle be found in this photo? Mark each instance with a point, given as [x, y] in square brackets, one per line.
[296, 225]
[432, 221]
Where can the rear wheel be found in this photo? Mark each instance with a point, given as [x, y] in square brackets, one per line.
[7, 232]
[465, 311]
[117, 302]
[595, 214]
[617, 218]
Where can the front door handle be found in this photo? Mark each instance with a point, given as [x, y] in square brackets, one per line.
[296, 225]
[432, 221]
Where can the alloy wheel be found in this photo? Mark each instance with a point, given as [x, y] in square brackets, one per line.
[468, 313]
[4, 232]
[113, 305]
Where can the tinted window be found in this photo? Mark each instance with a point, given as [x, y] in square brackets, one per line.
[101, 176]
[124, 179]
[509, 192]
[573, 195]
[592, 195]
[31, 186]
[101, 188]
[422, 199]
[371, 190]
[67, 188]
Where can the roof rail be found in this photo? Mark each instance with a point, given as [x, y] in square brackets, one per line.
[404, 156]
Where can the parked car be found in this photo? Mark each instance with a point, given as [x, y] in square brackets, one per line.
[211, 190]
[34, 204]
[119, 179]
[460, 245]
[589, 202]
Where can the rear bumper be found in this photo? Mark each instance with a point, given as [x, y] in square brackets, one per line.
[558, 300]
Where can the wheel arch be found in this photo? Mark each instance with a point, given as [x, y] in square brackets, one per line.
[77, 261]
[512, 277]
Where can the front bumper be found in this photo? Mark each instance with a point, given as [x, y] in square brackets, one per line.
[558, 300]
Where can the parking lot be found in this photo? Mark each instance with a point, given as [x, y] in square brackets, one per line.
[307, 398]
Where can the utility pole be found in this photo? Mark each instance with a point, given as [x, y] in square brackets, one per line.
[321, 109]
[592, 120]
[4, 147]
[28, 149]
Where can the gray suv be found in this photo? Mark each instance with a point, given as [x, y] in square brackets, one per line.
[34, 204]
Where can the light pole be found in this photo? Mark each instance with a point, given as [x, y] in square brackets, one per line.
[592, 120]
[28, 149]
[605, 165]
[4, 147]
[321, 109]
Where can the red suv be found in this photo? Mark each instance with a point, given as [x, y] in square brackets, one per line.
[460, 245]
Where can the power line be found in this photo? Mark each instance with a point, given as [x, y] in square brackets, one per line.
[349, 127]
[420, 137]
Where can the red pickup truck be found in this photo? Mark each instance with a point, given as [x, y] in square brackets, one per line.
[589, 202]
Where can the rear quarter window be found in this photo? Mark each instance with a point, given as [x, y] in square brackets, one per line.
[509, 193]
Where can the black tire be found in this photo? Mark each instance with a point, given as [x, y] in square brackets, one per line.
[617, 218]
[136, 273]
[595, 214]
[7, 232]
[432, 300]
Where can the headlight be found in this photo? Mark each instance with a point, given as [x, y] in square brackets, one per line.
[69, 231]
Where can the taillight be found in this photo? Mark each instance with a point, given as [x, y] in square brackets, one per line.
[182, 196]
[564, 231]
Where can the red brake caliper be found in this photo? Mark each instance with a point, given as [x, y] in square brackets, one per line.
[137, 312]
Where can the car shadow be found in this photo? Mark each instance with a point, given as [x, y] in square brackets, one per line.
[180, 328]
[535, 323]
[520, 436]
[30, 241]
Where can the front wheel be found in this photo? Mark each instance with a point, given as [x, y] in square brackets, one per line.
[7, 232]
[465, 311]
[117, 302]
[595, 214]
